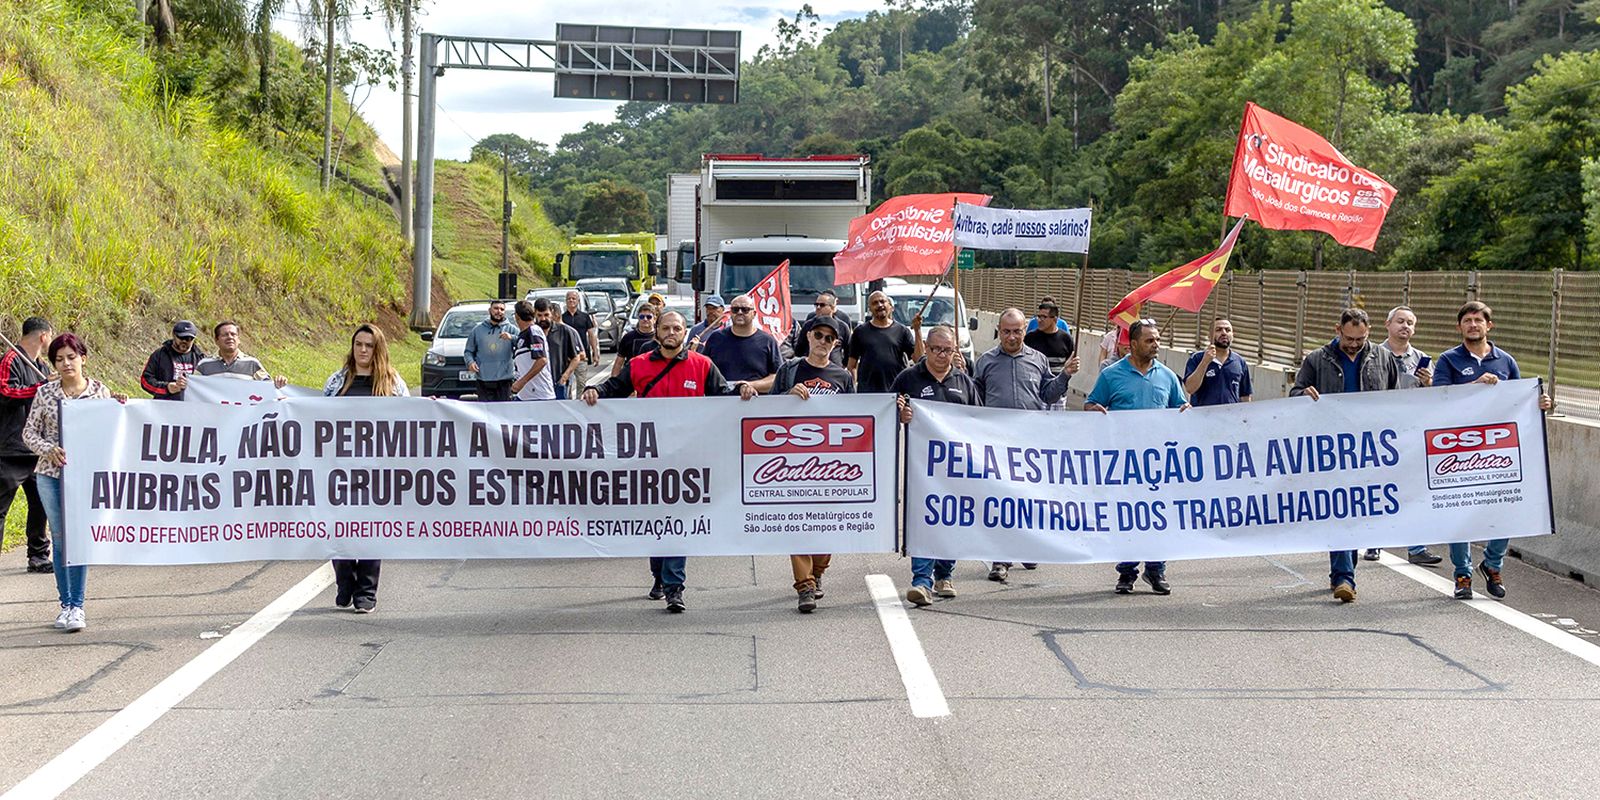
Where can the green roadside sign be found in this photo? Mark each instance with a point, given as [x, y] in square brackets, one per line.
[965, 259]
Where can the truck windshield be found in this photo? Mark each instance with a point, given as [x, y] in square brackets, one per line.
[604, 264]
[809, 273]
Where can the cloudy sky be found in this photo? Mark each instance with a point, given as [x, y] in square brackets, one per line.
[475, 104]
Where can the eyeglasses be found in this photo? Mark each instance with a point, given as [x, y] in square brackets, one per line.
[647, 316]
[743, 309]
[942, 351]
[823, 336]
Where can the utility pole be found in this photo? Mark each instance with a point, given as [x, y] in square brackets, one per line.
[407, 69]
[327, 100]
[505, 211]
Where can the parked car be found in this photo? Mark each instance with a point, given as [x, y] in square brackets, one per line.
[444, 368]
[621, 293]
[946, 309]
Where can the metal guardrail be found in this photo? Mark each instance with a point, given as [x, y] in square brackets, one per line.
[1549, 320]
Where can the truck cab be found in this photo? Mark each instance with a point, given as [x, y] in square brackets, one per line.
[608, 255]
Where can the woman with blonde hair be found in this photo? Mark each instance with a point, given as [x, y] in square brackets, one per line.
[366, 373]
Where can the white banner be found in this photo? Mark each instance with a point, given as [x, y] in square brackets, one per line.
[1379, 469]
[1062, 230]
[317, 478]
[223, 390]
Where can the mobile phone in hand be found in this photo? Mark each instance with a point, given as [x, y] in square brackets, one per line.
[1423, 363]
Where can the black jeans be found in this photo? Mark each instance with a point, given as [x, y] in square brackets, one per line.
[494, 391]
[357, 578]
[15, 477]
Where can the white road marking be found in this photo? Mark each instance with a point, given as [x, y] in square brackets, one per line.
[99, 744]
[1538, 629]
[922, 686]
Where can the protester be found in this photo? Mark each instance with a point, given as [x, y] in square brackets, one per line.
[42, 434]
[231, 361]
[530, 360]
[713, 307]
[1014, 375]
[1139, 381]
[166, 371]
[934, 378]
[563, 345]
[366, 373]
[742, 351]
[637, 341]
[1217, 375]
[1349, 363]
[1038, 321]
[670, 370]
[827, 313]
[881, 348]
[1051, 337]
[1478, 360]
[1414, 372]
[588, 331]
[1114, 346]
[22, 371]
[816, 374]
[488, 354]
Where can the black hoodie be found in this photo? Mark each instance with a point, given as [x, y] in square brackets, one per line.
[166, 365]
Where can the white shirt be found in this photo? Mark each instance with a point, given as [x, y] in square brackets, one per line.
[530, 346]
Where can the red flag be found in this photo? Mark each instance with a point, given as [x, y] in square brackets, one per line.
[1186, 287]
[771, 297]
[1287, 177]
[912, 234]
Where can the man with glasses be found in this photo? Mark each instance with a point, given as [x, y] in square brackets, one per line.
[1349, 363]
[1139, 382]
[1051, 338]
[816, 374]
[936, 379]
[639, 340]
[881, 348]
[1014, 375]
[714, 306]
[742, 351]
[1414, 372]
[827, 313]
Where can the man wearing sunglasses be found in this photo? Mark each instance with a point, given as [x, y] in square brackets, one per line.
[827, 313]
[639, 340]
[816, 374]
[744, 352]
[881, 348]
[1137, 382]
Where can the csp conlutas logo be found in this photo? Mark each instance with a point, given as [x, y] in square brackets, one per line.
[814, 459]
[1474, 455]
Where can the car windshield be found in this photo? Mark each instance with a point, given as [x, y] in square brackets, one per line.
[457, 324]
[603, 264]
[597, 302]
[942, 311]
[809, 273]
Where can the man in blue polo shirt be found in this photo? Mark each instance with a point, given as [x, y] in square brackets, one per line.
[1136, 382]
[1477, 360]
[1216, 375]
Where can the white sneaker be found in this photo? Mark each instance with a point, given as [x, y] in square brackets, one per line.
[75, 621]
[61, 619]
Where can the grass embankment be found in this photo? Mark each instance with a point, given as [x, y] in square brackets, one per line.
[466, 232]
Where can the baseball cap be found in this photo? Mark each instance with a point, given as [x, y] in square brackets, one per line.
[185, 330]
[715, 301]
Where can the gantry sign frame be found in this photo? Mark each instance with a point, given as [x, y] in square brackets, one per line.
[670, 65]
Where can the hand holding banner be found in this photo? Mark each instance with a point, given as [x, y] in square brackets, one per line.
[912, 234]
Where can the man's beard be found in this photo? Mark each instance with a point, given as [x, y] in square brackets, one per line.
[544, 323]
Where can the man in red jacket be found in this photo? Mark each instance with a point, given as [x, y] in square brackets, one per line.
[670, 370]
[22, 370]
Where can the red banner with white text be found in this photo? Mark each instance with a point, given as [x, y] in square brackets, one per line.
[912, 234]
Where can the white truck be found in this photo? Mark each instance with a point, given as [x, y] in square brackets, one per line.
[678, 246]
[754, 212]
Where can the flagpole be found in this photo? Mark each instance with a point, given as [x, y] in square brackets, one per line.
[1077, 317]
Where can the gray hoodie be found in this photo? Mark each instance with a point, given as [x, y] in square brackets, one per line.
[491, 353]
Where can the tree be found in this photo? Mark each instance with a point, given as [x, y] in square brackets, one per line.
[526, 156]
[612, 207]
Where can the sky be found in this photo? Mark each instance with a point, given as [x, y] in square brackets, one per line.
[474, 103]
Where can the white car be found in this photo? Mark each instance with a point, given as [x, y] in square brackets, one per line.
[945, 309]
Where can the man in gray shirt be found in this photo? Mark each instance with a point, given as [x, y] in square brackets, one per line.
[1414, 372]
[488, 354]
[231, 361]
[1013, 375]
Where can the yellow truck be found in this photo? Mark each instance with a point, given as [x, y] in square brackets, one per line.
[609, 255]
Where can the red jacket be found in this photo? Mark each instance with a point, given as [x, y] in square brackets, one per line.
[690, 375]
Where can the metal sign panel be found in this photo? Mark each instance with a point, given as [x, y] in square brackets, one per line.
[672, 65]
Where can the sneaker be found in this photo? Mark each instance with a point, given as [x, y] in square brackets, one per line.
[919, 596]
[1370, 555]
[41, 566]
[341, 598]
[817, 592]
[75, 620]
[945, 588]
[1030, 565]
[1344, 592]
[1158, 582]
[808, 601]
[1463, 587]
[365, 606]
[61, 619]
[1424, 558]
[998, 573]
[656, 592]
[1125, 582]
[1491, 581]
[675, 599]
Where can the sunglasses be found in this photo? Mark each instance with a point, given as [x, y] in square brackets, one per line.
[743, 309]
[823, 337]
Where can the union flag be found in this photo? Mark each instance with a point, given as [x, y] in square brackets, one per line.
[1186, 287]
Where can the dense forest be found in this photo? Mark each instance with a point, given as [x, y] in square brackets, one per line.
[1484, 115]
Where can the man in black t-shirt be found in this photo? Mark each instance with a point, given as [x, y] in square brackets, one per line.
[1051, 338]
[881, 348]
[582, 322]
[742, 351]
[816, 374]
[637, 341]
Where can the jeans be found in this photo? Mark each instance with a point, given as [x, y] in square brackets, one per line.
[669, 570]
[561, 391]
[807, 570]
[69, 580]
[494, 391]
[357, 578]
[1132, 568]
[1494, 554]
[924, 571]
[1342, 567]
[1417, 549]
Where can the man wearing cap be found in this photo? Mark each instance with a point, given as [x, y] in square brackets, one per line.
[166, 371]
[23, 370]
[713, 320]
